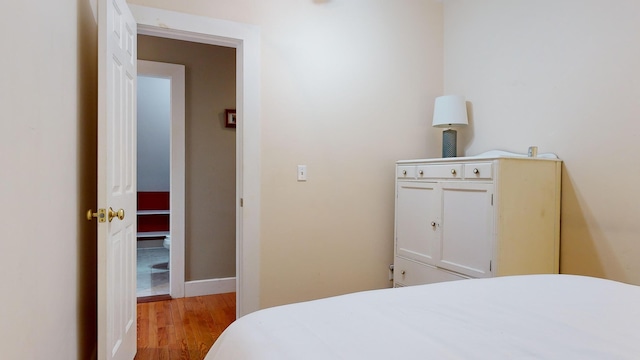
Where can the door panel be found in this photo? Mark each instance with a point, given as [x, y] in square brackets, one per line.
[467, 228]
[116, 180]
[417, 206]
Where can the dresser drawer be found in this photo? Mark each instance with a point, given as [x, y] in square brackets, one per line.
[406, 172]
[444, 171]
[407, 273]
[478, 171]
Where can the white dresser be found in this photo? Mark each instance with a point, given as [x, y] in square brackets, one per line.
[474, 217]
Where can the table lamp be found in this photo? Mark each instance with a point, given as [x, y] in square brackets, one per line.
[449, 111]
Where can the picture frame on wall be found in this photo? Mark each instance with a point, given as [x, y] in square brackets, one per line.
[230, 116]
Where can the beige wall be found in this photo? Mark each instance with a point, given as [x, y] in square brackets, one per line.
[47, 177]
[562, 75]
[210, 152]
[347, 89]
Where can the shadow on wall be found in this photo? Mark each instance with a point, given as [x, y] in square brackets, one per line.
[466, 133]
[87, 134]
[582, 243]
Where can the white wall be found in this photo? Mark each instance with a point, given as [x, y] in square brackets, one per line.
[347, 89]
[47, 180]
[154, 133]
[562, 75]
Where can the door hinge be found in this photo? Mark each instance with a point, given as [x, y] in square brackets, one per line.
[241, 202]
[490, 265]
[491, 199]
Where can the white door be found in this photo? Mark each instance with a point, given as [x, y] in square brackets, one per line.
[116, 180]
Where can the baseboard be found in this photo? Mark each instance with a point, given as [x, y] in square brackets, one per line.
[209, 287]
[153, 298]
[149, 243]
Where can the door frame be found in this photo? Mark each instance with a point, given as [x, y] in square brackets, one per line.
[176, 75]
[245, 38]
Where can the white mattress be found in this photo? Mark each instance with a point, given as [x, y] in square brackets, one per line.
[517, 317]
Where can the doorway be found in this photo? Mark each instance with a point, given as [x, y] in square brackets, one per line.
[115, 299]
[161, 189]
[209, 160]
[153, 191]
[245, 39]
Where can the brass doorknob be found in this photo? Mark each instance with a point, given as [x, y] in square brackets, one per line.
[119, 214]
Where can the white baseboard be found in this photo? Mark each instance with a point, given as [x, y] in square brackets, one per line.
[209, 287]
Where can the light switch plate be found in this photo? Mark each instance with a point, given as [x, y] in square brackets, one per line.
[302, 172]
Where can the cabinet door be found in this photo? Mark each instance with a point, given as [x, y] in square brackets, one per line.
[417, 206]
[466, 228]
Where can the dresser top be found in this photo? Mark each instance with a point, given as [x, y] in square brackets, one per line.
[489, 155]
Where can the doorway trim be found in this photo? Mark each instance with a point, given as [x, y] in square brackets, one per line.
[245, 39]
[176, 75]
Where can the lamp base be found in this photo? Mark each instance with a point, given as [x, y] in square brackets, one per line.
[449, 143]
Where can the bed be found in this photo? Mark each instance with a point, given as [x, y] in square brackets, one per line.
[514, 317]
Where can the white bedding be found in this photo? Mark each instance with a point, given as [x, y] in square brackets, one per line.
[516, 317]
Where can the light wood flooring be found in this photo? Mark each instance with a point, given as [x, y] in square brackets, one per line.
[183, 328]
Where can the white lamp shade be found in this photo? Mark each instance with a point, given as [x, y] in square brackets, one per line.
[450, 110]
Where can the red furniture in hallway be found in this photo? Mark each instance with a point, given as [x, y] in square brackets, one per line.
[153, 215]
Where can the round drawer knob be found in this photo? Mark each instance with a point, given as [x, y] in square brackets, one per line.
[453, 171]
[421, 172]
[433, 223]
[403, 272]
[404, 172]
[476, 171]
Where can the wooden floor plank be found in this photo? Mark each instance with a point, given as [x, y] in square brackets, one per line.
[182, 329]
[190, 325]
[180, 346]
